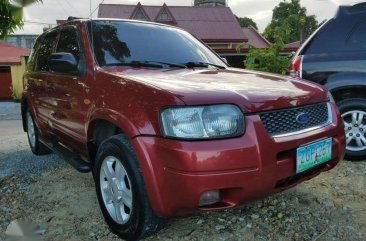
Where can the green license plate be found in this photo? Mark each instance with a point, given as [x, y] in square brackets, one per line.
[313, 154]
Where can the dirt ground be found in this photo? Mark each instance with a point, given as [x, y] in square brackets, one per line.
[329, 207]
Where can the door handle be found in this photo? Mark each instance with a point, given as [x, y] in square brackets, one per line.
[31, 82]
[51, 87]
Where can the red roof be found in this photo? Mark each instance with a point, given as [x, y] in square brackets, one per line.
[206, 23]
[59, 22]
[293, 46]
[255, 39]
[10, 54]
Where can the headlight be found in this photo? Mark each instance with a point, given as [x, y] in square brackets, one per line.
[203, 122]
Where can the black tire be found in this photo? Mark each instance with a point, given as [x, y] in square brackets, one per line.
[346, 106]
[142, 221]
[36, 146]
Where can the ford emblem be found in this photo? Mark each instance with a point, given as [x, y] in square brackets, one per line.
[303, 118]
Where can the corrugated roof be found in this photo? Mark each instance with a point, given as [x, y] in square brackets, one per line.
[10, 54]
[59, 21]
[294, 45]
[255, 39]
[206, 23]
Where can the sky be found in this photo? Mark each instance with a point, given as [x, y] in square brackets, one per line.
[39, 15]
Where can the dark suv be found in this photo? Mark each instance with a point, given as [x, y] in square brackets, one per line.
[335, 56]
[166, 127]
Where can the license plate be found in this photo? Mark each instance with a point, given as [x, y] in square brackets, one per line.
[313, 154]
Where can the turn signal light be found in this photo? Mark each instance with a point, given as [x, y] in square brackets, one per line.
[296, 67]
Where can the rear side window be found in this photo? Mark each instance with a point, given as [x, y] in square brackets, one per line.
[338, 35]
[316, 42]
[44, 51]
[32, 55]
[357, 38]
[68, 42]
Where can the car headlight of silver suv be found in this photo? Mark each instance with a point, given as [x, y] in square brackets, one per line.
[203, 122]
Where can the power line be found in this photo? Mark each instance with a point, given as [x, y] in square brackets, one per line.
[96, 9]
[40, 23]
[71, 6]
[63, 8]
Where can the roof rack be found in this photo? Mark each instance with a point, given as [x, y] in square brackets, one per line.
[72, 18]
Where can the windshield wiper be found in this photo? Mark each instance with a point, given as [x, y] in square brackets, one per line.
[203, 64]
[167, 63]
[147, 63]
[136, 64]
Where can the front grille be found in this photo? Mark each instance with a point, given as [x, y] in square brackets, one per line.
[285, 121]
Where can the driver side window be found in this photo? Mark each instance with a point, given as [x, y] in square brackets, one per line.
[68, 42]
[44, 51]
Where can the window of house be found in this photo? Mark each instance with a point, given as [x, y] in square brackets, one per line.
[164, 16]
[45, 50]
[68, 42]
[29, 43]
[140, 15]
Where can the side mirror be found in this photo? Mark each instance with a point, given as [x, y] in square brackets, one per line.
[225, 60]
[63, 63]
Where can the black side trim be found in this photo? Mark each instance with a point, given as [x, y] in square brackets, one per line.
[72, 158]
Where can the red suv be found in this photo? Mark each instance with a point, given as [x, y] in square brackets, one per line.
[166, 127]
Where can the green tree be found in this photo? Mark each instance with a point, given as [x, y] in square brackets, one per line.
[11, 15]
[292, 14]
[269, 60]
[246, 22]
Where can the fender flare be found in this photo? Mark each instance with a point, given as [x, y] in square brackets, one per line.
[113, 117]
[26, 103]
[346, 80]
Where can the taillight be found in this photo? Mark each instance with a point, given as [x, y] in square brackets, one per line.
[296, 67]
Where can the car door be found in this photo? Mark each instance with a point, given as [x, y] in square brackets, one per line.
[67, 94]
[37, 76]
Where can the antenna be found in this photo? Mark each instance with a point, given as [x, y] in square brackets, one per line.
[90, 13]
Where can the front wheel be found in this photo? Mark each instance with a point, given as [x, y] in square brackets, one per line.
[353, 112]
[121, 191]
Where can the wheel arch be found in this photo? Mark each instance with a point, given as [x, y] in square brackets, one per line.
[103, 124]
[25, 105]
[117, 126]
[347, 92]
[347, 85]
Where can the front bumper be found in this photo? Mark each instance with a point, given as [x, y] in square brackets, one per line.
[253, 166]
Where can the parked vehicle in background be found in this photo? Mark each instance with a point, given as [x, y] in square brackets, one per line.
[166, 127]
[335, 56]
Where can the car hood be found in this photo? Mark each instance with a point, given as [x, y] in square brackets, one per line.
[252, 91]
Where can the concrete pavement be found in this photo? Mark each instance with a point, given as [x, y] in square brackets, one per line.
[15, 154]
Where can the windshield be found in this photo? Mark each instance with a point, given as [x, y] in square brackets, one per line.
[118, 42]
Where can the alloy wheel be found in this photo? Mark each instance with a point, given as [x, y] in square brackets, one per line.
[116, 190]
[31, 130]
[355, 128]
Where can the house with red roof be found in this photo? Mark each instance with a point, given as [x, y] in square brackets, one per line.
[294, 46]
[255, 39]
[12, 67]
